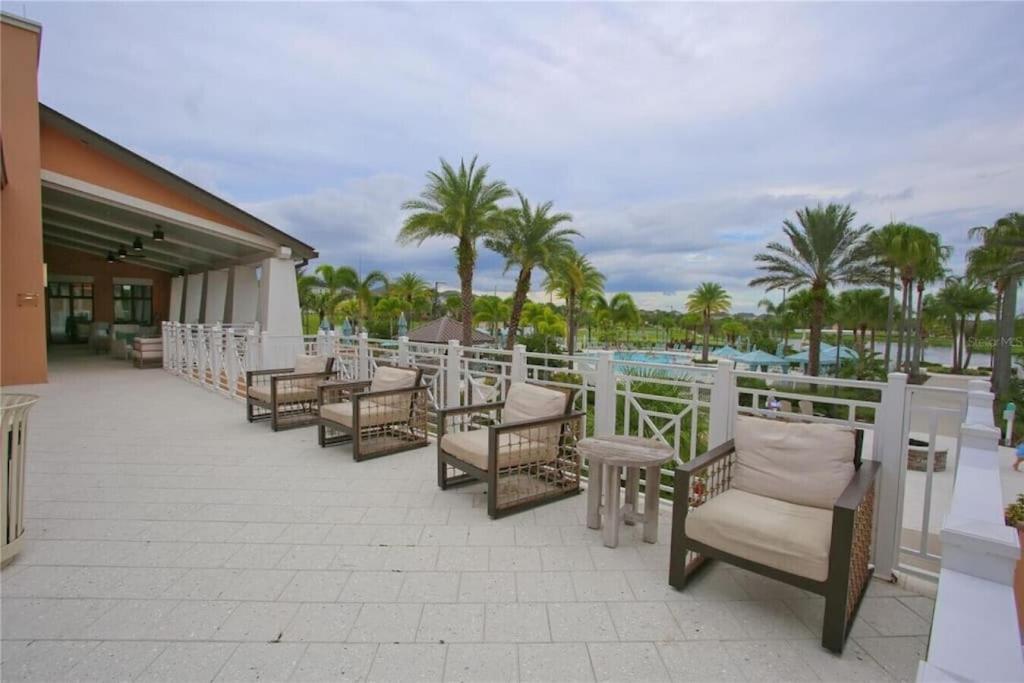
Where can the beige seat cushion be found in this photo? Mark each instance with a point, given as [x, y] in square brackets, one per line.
[371, 413]
[798, 462]
[791, 538]
[306, 364]
[387, 378]
[285, 394]
[513, 450]
[529, 402]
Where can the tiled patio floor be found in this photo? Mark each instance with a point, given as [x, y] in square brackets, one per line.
[171, 540]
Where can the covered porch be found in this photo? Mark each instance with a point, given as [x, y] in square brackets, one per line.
[170, 539]
[128, 245]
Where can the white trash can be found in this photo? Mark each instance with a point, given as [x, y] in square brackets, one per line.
[14, 410]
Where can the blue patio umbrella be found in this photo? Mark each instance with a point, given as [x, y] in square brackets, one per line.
[726, 352]
[403, 325]
[346, 328]
[758, 358]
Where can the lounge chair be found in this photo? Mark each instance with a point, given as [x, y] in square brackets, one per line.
[788, 500]
[287, 396]
[523, 448]
[384, 415]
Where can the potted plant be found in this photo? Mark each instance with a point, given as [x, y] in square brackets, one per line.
[1014, 515]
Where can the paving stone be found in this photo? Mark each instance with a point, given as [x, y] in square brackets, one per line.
[335, 662]
[408, 663]
[451, 624]
[188, 662]
[554, 663]
[481, 662]
[627, 661]
[262, 662]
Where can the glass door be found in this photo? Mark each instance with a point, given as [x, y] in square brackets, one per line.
[69, 306]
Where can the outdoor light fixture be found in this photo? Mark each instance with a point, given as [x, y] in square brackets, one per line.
[137, 244]
[158, 234]
[122, 253]
[110, 257]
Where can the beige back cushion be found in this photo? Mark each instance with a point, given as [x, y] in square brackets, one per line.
[387, 378]
[529, 402]
[307, 364]
[798, 462]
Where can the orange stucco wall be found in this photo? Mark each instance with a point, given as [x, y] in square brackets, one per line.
[22, 328]
[68, 156]
[62, 261]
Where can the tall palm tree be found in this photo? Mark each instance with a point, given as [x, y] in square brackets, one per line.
[492, 311]
[824, 250]
[888, 244]
[709, 299]
[459, 204]
[1008, 233]
[863, 309]
[575, 280]
[389, 308]
[959, 300]
[544, 321]
[931, 268]
[413, 291]
[530, 238]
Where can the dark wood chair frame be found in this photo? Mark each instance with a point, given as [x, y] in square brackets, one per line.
[283, 414]
[362, 437]
[849, 570]
[488, 415]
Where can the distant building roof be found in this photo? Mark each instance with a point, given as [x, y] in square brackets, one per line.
[442, 330]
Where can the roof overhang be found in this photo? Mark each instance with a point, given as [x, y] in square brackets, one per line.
[80, 215]
[139, 164]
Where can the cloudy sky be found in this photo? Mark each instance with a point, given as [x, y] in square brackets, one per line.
[678, 136]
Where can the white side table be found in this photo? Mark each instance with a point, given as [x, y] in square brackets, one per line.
[606, 457]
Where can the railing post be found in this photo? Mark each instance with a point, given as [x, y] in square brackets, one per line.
[253, 354]
[216, 355]
[321, 343]
[363, 358]
[890, 449]
[721, 410]
[604, 395]
[403, 352]
[517, 373]
[452, 374]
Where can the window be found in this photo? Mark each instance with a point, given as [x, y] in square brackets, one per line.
[133, 304]
[69, 304]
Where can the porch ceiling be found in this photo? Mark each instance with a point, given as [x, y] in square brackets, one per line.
[86, 219]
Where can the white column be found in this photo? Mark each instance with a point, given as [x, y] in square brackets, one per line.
[193, 297]
[243, 296]
[279, 296]
[216, 295]
[174, 309]
[278, 314]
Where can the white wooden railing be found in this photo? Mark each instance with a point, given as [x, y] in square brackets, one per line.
[975, 635]
[687, 407]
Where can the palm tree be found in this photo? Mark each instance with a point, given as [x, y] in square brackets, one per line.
[389, 308]
[545, 322]
[709, 299]
[491, 310]
[461, 205]
[413, 291]
[309, 286]
[337, 281]
[624, 312]
[576, 281]
[889, 245]
[1007, 233]
[861, 309]
[957, 301]
[363, 292]
[931, 268]
[824, 250]
[530, 238]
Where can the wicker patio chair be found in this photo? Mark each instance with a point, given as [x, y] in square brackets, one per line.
[523, 448]
[788, 500]
[385, 415]
[287, 396]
